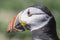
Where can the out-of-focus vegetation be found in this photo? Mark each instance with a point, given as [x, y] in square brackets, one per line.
[9, 8]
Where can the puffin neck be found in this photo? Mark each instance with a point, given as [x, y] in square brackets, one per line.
[44, 33]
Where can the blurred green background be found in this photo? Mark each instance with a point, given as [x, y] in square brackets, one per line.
[9, 8]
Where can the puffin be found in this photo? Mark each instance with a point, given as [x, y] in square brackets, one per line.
[38, 19]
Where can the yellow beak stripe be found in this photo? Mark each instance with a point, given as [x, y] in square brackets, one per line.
[23, 23]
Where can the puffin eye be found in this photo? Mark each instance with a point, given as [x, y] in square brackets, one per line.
[28, 13]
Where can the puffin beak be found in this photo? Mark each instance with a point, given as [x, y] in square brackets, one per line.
[16, 25]
[11, 25]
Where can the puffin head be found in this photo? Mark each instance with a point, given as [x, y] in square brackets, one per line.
[32, 18]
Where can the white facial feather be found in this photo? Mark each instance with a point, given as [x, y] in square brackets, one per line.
[37, 39]
[35, 10]
[35, 21]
